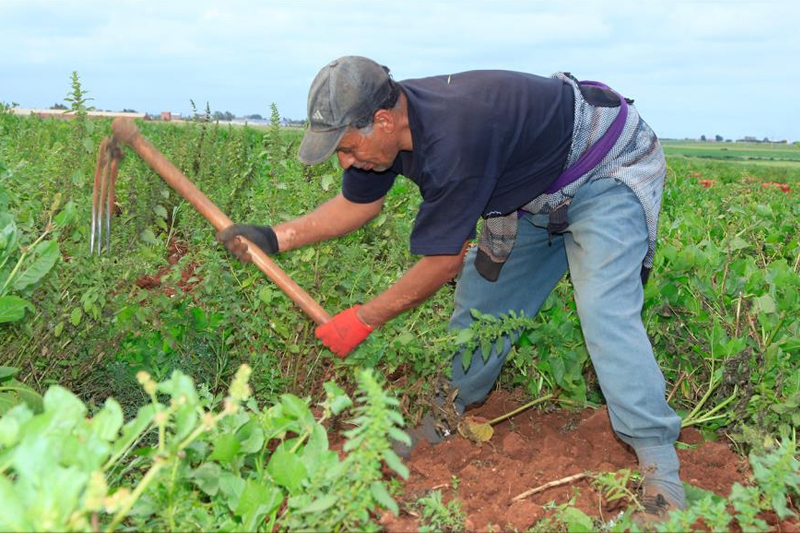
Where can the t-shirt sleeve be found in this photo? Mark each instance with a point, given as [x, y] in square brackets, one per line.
[363, 187]
[448, 216]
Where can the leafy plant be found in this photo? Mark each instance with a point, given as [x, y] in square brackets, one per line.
[777, 484]
[19, 277]
[14, 392]
[435, 515]
[208, 469]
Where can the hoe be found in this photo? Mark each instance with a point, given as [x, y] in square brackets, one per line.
[124, 132]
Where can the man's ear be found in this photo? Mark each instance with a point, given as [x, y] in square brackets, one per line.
[384, 120]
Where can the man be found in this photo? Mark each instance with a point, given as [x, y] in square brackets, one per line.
[566, 175]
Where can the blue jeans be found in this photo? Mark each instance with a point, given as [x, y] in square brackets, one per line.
[603, 247]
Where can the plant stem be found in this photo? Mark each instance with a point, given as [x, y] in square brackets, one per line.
[707, 417]
[21, 260]
[135, 495]
[520, 409]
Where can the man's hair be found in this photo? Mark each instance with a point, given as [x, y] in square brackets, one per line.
[388, 103]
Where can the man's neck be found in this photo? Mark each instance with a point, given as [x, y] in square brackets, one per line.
[403, 128]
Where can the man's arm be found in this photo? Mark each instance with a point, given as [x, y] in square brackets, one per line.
[336, 217]
[351, 327]
[426, 277]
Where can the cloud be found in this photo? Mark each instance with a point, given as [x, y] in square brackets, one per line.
[242, 55]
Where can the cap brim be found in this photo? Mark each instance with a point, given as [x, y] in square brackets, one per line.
[317, 146]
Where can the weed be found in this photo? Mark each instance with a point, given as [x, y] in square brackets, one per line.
[435, 515]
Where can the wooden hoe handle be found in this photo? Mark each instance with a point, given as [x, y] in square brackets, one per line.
[125, 131]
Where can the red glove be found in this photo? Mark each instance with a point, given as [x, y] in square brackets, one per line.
[344, 332]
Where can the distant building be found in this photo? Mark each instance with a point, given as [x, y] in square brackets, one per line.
[166, 116]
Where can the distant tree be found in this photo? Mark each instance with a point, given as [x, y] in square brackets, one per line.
[766, 140]
[226, 115]
[718, 138]
[702, 137]
[254, 116]
[126, 110]
[60, 107]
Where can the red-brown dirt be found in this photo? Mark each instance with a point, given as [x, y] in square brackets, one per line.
[534, 448]
[176, 250]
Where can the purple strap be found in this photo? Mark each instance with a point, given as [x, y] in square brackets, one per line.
[599, 150]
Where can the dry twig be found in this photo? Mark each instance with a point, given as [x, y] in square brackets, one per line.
[556, 483]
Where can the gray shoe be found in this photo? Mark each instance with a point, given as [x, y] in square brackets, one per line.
[428, 430]
[657, 505]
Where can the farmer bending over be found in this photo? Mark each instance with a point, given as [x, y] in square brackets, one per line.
[564, 174]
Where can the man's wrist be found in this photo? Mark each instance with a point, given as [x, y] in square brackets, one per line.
[367, 318]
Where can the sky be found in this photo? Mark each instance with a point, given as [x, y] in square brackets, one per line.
[729, 68]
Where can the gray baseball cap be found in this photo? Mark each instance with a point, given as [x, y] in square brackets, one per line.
[346, 90]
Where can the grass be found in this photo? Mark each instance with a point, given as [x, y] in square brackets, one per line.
[766, 153]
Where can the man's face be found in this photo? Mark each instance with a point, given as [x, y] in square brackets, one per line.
[376, 151]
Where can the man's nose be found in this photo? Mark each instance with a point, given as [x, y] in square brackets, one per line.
[346, 160]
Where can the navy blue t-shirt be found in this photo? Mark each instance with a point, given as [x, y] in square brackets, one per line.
[484, 144]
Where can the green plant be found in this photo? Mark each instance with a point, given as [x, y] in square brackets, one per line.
[776, 474]
[435, 515]
[565, 517]
[23, 267]
[229, 468]
[77, 99]
[616, 486]
[13, 392]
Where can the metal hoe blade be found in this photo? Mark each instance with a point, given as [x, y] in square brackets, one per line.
[105, 179]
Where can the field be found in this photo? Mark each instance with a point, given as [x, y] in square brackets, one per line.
[750, 153]
[163, 385]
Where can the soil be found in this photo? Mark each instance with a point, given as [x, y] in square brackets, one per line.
[535, 448]
[175, 251]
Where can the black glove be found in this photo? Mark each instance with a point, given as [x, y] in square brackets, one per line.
[262, 236]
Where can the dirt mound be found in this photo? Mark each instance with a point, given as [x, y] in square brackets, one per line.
[188, 280]
[535, 448]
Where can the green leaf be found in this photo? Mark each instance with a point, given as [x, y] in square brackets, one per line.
[12, 508]
[737, 243]
[251, 437]
[766, 304]
[207, 477]
[232, 487]
[256, 501]
[327, 181]
[319, 505]
[383, 498]
[8, 235]
[464, 336]
[7, 372]
[44, 256]
[66, 216]
[466, 360]
[576, 520]
[133, 429]
[149, 237]
[265, 295]
[393, 461]
[14, 392]
[107, 423]
[337, 398]
[160, 211]
[75, 316]
[298, 409]
[12, 308]
[226, 446]
[287, 469]
[67, 407]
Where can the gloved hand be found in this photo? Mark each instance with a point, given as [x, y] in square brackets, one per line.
[344, 332]
[262, 236]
